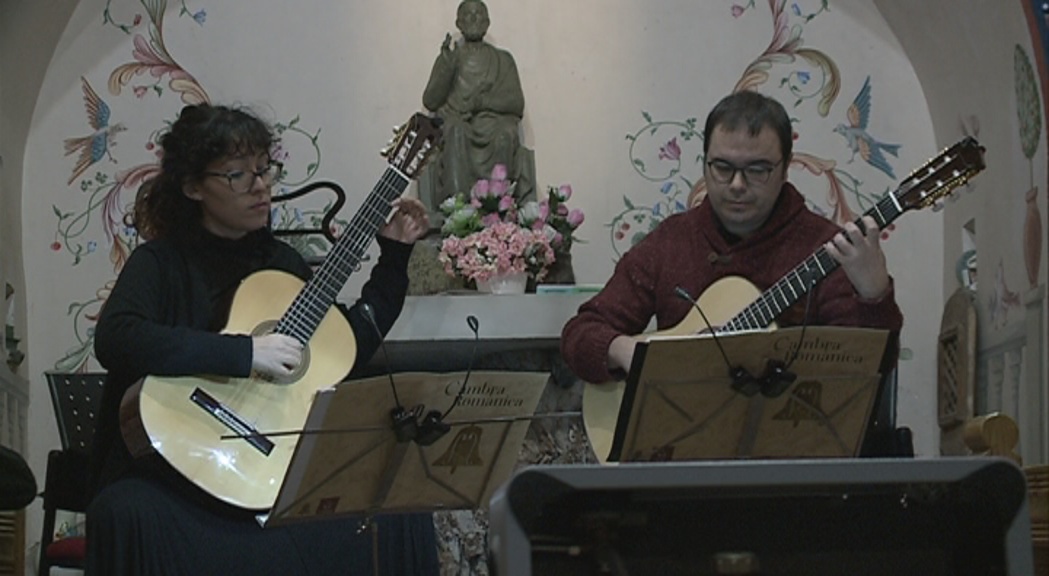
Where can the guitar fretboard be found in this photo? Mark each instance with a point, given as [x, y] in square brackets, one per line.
[313, 301]
[790, 288]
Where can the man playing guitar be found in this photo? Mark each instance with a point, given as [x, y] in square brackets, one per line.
[752, 224]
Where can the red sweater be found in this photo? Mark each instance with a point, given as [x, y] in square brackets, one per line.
[692, 251]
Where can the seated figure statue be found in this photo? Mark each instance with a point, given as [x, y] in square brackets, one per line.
[474, 87]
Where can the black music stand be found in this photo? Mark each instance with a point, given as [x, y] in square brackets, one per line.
[352, 461]
[681, 403]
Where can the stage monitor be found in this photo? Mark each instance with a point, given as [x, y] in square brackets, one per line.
[858, 517]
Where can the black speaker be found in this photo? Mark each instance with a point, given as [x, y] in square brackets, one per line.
[814, 517]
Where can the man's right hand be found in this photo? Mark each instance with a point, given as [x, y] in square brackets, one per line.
[621, 353]
[275, 355]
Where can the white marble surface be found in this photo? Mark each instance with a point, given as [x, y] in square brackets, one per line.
[503, 316]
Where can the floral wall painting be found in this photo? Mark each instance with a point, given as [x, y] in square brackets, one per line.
[96, 146]
[1001, 298]
[668, 154]
[856, 136]
[93, 217]
[1028, 112]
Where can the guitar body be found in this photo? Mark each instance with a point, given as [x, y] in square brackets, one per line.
[720, 302]
[188, 436]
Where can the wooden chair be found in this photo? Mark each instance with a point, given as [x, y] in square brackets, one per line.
[76, 398]
[996, 434]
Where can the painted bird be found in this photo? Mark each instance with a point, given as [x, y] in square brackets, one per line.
[857, 138]
[95, 146]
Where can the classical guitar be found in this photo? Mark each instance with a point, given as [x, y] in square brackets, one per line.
[185, 418]
[733, 304]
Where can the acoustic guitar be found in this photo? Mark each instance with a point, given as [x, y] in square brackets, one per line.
[184, 419]
[733, 304]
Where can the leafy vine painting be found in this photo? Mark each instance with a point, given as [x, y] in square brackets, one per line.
[668, 154]
[102, 189]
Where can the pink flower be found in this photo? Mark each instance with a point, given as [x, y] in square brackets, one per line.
[544, 210]
[506, 203]
[575, 217]
[490, 220]
[480, 189]
[502, 248]
[565, 191]
[737, 10]
[498, 172]
[670, 151]
[498, 187]
[140, 91]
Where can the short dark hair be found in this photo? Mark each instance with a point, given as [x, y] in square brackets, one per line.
[202, 134]
[753, 110]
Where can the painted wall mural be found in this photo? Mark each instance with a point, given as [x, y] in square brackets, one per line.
[668, 154]
[95, 217]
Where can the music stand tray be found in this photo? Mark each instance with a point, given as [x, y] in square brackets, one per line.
[679, 402]
[351, 462]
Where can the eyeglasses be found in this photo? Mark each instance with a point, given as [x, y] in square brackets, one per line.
[240, 181]
[758, 173]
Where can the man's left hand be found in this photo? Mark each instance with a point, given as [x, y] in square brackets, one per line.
[410, 221]
[860, 255]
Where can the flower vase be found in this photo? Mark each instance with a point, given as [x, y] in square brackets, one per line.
[504, 284]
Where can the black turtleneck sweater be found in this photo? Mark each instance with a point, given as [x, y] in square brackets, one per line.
[172, 298]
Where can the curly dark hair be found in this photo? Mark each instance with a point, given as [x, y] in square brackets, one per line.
[755, 111]
[202, 134]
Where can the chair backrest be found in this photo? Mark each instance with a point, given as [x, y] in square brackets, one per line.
[76, 397]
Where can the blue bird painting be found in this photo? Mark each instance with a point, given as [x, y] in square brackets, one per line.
[96, 145]
[857, 138]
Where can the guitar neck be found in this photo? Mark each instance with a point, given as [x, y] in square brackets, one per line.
[317, 296]
[791, 287]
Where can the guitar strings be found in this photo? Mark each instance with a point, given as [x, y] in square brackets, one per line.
[313, 303]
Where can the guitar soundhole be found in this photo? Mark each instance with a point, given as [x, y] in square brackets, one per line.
[267, 327]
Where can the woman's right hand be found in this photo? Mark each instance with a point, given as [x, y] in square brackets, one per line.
[275, 355]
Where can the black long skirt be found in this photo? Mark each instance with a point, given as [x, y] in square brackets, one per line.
[139, 526]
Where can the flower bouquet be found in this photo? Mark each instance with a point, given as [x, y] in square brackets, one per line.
[554, 218]
[490, 233]
[501, 249]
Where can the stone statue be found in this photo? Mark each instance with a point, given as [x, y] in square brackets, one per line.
[474, 87]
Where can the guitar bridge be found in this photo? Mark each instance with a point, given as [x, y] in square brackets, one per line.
[231, 420]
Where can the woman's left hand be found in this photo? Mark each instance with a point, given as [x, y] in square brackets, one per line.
[410, 221]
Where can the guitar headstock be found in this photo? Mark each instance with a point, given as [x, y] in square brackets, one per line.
[940, 176]
[412, 144]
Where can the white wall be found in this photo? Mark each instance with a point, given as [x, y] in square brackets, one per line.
[1011, 309]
